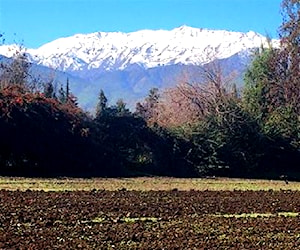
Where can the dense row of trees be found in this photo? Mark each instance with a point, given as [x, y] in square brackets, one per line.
[203, 128]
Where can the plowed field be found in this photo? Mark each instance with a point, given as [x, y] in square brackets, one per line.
[150, 220]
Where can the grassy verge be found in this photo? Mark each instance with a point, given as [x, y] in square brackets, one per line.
[143, 184]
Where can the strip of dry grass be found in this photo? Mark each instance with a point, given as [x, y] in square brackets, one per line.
[143, 184]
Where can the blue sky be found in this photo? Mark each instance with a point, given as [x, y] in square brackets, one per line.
[35, 22]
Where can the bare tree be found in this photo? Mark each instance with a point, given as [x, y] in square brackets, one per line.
[15, 72]
[190, 102]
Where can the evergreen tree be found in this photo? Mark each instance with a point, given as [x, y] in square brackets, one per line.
[140, 110]
[148, 109]
[121, 108]
[49, 90]
[67, 90]
[62, 97]
[102, 104]
[257, 83]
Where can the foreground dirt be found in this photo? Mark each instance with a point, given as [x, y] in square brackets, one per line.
[149, 220]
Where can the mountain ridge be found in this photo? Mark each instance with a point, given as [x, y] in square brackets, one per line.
[109, 51]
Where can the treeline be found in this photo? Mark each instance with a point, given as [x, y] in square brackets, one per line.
[194, 129]
[43, 136]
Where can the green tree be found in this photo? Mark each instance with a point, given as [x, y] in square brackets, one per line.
[257, 83]
[102, 104]
[148, 109]
[68, 90]
[121, 108]
[272, 81]
[49, 90]
[272, 93]
[62, 96]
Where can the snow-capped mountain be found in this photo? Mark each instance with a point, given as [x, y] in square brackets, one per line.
[147, 48]
[143, 59]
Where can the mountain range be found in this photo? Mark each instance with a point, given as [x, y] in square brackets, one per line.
[127, 65]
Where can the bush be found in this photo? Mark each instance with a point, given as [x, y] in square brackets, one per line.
[43, 137]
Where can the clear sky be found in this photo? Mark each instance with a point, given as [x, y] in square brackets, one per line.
[35, 22]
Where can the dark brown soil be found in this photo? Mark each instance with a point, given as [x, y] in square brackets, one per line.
[148, 220]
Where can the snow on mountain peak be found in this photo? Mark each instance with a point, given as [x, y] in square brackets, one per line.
[148, 48]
